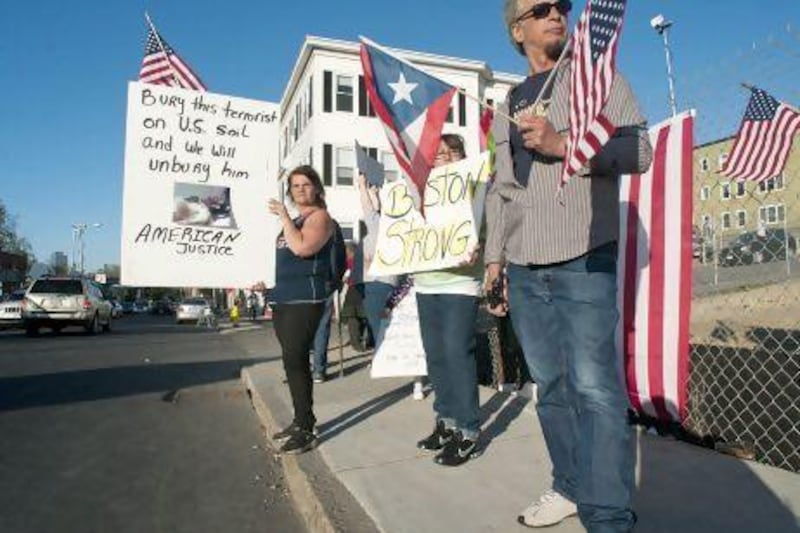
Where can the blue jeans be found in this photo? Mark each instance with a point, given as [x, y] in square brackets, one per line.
[322, 336]
[447, 325]
[375, 295]
[565, 317]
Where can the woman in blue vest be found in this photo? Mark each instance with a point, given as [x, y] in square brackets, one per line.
[303, 281]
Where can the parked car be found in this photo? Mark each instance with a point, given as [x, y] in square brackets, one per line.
[60, 302]
[127, 307]
[11, 310]
[161, 307]
[191, 309]
[760, 246]
[116, 309]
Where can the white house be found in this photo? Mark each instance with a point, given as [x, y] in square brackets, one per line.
[325, 108]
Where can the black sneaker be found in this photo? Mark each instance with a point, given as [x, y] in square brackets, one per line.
[436, 440]
[456, 452]
[286, 432]
[300, 442]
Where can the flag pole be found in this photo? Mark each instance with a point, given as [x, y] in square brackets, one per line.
[163, 50]
[459, 90]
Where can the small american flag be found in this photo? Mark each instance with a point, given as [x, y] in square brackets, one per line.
[765, 137]
[161, 65]
[594, 47]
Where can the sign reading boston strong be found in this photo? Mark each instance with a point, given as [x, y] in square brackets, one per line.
[448, 233]
[199, 168]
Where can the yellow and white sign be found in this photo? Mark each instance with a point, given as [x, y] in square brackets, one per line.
[448, 233]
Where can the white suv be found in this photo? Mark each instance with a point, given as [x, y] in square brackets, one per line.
[59, 302]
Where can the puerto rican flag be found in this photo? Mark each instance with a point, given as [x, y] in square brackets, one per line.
[655, 274]
[412, 106]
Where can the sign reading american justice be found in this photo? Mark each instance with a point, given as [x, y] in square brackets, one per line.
[448, 233]
[197, 168]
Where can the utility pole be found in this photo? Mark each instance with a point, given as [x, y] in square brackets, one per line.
[662, 26]
[78, 232]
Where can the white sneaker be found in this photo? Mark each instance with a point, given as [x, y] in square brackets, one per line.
[550, 509]
[419, 393]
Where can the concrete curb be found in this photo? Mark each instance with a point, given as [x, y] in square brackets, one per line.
[305, 498]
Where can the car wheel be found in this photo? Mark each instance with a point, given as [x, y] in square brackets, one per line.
[31, 331]
[93, 326]
[57, 329]
[107, 325]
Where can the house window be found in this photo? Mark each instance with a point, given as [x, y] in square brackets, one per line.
[391, 170]
[725, 191]
[704, 193]
[708, 225]
[704, 164]
[344, 93]
[741, 218]
[364, 105]
[723, 158]
[347, 232]
[771, 184]
[772, 214]
[726, 220]
[462, 109]
[310, 98]
[345, 161]
[740, 189]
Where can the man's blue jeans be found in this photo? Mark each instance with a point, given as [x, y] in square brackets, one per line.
[375, 295]
[565, 317]
[447, 325]
[322, 337]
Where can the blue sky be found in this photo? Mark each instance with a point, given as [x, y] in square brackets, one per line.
[64, 68]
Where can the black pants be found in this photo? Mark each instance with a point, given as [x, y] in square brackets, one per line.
[295, 326]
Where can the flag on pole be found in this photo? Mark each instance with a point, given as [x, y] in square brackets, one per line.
[654, 269]
[486, 137]
[765, 137]
[412, 106]
[162, 65]
[594, 51]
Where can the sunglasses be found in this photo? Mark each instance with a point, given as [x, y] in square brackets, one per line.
[542, 10]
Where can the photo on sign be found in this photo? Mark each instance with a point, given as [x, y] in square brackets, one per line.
[203, 205]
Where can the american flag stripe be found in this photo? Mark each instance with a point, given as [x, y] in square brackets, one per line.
[764, 139]
[655, 273]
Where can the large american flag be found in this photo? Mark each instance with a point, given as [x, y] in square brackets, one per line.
[161, 65]
[764, 139]
[654, 270]
[412, 106]
[594, 50]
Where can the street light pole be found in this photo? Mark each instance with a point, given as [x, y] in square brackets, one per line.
[79, 229]
[661, 25]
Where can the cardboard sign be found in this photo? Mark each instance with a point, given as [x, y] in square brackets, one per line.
[448, 233]
[400, 352]
[199, 168]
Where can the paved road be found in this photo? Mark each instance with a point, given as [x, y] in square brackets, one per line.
[146, 429]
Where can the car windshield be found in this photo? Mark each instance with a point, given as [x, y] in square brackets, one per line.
[16, 297]
[194, 301]
[59, 286]
[742, 240]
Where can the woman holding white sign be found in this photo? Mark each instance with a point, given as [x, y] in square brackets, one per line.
[303, 281]
[447, 302]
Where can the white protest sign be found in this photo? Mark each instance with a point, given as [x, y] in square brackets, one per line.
[400, 352]
[448, 233]
[199, 168]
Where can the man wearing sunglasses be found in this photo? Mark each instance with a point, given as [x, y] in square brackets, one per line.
[559, 255]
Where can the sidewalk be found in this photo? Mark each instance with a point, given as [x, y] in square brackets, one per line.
[368, 430]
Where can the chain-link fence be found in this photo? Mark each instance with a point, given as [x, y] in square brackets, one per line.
[744, 383]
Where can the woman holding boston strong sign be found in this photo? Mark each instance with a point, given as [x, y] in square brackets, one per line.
[447, 302]
[303, 281]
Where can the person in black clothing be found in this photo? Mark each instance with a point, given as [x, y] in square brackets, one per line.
[302, 284]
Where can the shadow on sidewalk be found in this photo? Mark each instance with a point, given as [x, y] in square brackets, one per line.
[353, 417]
[59, 388]
[684, 488]
[505, 408]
